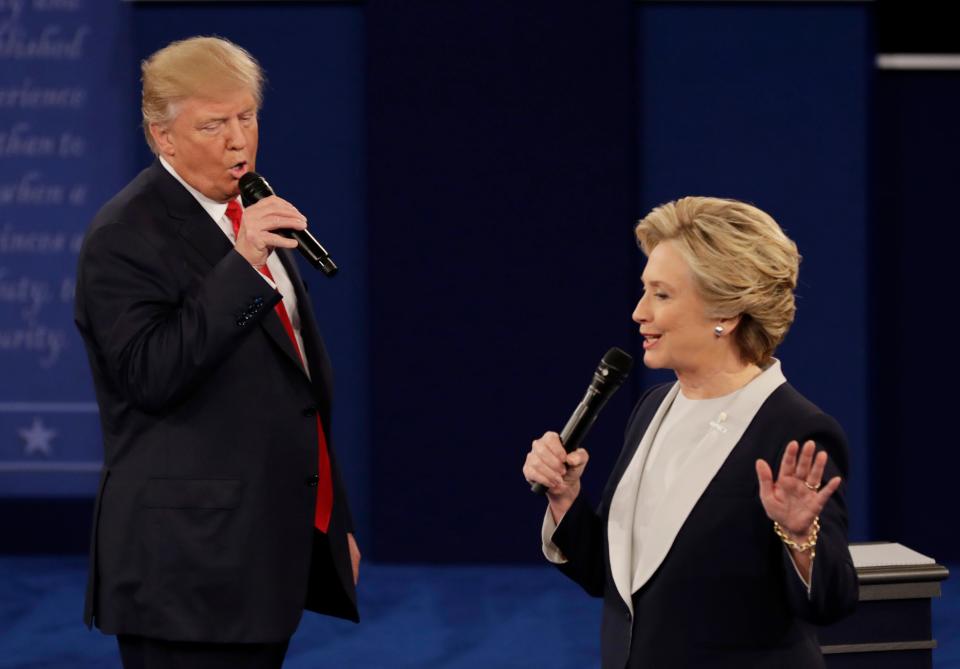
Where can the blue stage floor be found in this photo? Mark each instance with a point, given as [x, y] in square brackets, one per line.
[413, 617]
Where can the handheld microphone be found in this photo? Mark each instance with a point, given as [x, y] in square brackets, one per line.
[610, 374]
[254, 188]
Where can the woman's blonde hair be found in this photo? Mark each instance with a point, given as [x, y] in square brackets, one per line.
[196, 67]
[742, 262]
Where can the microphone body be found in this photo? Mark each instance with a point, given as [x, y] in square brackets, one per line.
[610, 374]
[254, 188]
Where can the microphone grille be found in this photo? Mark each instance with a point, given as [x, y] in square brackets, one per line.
[619, 361]
[253, 188]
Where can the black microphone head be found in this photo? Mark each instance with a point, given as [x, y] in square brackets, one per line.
[612, 370]
[618, 361]
[253, 188]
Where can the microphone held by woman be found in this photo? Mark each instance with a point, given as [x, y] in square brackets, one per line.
[609, 375]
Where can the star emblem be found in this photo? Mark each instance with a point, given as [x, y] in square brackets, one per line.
[37, 438]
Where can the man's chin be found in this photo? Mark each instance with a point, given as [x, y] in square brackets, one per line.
[231, 192]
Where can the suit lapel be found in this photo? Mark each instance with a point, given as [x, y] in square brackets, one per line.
[711, 452]
[716, 445]
[623, 504]
[316, 353]
[272, 325]
[637, 426]
[194, 225]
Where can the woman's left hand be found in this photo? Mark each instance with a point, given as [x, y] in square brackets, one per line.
[796, 498]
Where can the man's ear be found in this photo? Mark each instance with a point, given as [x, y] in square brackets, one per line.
[162, 139]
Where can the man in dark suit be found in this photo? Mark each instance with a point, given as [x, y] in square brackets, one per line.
[221, 513]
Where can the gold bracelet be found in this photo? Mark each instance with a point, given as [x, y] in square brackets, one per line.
[808, 545]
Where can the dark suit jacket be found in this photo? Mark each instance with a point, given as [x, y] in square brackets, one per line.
[727, 594]
[203, 524]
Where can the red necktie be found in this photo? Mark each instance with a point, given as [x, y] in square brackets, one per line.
[321, 517]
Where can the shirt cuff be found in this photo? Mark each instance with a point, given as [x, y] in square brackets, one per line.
[796, 569]
[550, 550]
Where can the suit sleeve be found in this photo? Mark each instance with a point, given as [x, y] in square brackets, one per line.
[158, 339]
[834, 587]
[579, 536]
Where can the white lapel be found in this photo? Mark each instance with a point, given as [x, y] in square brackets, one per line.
[725, 432]
[710, 455]
[623, 505]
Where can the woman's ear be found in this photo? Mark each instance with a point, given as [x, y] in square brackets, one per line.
[726, 326]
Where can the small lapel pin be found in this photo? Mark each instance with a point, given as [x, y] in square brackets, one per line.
[718, 423]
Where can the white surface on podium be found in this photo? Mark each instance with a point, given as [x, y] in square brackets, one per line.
[886, 555]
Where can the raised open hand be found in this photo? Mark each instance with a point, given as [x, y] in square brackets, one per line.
[796, 498]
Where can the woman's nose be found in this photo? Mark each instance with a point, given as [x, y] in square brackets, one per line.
[640, 314]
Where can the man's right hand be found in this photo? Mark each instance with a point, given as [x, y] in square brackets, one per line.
[549, 464]
[256, 238]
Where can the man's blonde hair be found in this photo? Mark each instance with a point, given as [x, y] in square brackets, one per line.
[742, 262]
[201, 67]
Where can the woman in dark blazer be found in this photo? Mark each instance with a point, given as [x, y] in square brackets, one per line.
[704, 555]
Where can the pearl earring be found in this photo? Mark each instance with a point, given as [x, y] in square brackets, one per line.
[718, 330]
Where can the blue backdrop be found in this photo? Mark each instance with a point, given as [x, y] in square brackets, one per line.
[769, 104]
[501, 177]
[65, 101]
[913, 259]
[476, 169]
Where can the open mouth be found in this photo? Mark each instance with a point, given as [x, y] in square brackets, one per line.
[650, 340]
[238, 170]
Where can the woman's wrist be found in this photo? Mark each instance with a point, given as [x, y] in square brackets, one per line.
[801, 543]
[797, 537]
[560, 503]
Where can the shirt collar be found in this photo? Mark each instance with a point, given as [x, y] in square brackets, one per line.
[216, 210]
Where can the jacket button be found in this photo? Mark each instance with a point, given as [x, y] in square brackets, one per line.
[309, 411]
[313, 480]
